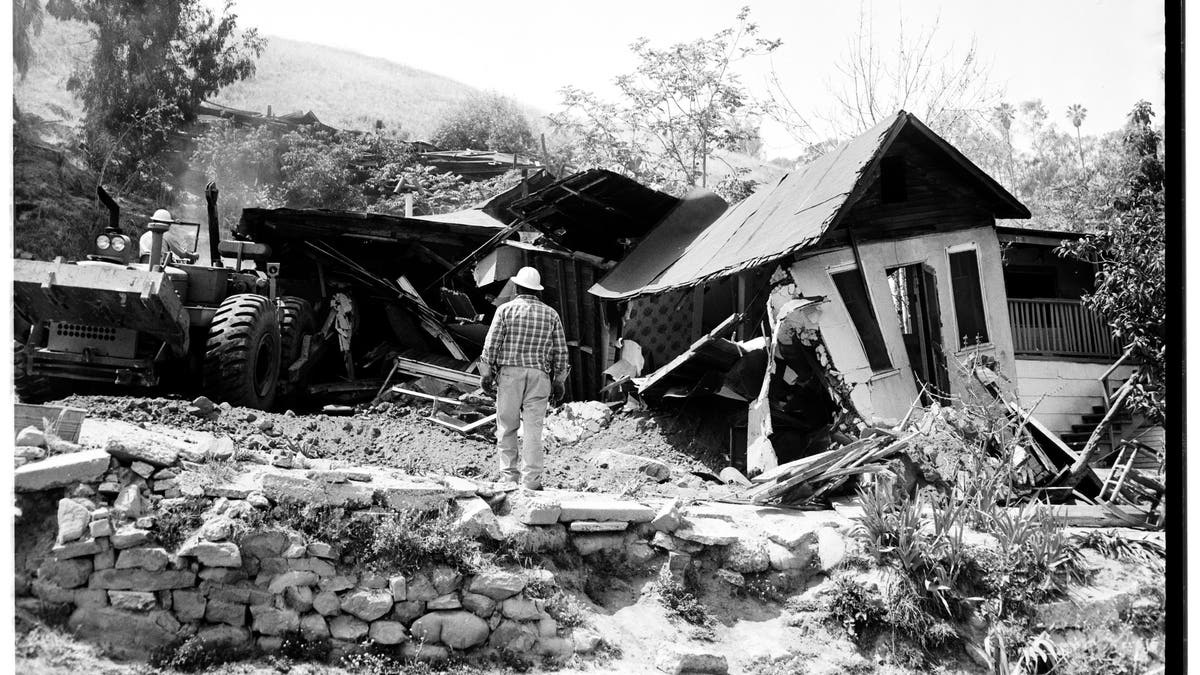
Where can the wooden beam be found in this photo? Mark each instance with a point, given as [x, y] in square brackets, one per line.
[414, 367]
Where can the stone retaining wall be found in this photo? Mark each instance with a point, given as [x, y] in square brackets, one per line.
[132, 595]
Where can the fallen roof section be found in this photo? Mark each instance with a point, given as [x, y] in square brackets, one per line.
[591, 211]
[780, 219]
[266, 224]
[665, 244]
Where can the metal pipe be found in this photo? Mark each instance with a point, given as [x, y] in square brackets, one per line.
[214, 225]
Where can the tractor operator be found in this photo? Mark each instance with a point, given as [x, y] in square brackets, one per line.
[175, 247]
[524, 362]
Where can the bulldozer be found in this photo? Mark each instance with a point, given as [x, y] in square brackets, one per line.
[127, 318]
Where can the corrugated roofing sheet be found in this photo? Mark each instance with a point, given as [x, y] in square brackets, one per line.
[665, 244]
[777, 219]
[767, 225]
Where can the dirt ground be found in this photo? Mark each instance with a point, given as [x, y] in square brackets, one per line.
[399, 434]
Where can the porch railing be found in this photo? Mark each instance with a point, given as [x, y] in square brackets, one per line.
[1046, 327]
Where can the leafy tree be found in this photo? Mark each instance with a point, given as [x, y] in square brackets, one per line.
[153, 63]
[27, 22]
[486, 122]
[1129, 251]
[315, 168]
[244, 162]
[679, 105]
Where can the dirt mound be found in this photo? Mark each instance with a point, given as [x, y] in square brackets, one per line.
[399, 435]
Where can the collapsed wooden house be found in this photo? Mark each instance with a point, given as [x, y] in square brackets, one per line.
[883, 253]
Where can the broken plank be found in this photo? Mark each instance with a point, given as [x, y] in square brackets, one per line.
[650, 380]
[345, 387]
[430, 397]
[783, 470]
[415, 367]
[430, 325]
[840, 460]
[1101, 515]
[465, 428]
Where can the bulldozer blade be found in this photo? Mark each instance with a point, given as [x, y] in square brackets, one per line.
[101, 295]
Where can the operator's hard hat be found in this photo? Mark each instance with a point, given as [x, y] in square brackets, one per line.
[162, 216]
[527, 277]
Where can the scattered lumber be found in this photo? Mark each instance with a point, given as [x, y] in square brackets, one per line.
[809, 478]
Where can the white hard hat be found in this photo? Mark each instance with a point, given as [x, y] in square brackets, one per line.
[162, 216]
[527, 277]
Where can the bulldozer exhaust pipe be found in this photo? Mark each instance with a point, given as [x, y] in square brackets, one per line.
[157, 230]
[214, 225]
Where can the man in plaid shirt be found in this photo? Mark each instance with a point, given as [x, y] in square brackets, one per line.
[524, 361]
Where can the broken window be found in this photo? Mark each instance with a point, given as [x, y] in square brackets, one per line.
[968, 298]
[854, 295]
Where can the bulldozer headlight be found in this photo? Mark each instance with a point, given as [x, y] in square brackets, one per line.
[102, 242]
[118, 244]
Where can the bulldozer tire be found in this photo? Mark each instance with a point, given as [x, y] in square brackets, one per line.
[241, 355]
[295, 321]
[31, 388]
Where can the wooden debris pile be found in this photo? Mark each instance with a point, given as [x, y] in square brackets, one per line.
[808, 479]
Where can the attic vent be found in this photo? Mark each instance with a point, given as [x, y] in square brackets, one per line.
[892, 180]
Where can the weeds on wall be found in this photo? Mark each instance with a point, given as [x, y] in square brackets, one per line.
[403, 541]
[175, 523]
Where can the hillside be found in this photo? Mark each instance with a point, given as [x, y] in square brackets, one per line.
[347, 90]
[343, 89]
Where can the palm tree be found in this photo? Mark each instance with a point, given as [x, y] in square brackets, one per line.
[1004, 114]
[1077, 113]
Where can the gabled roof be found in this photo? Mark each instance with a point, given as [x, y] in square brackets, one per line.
[786, 216]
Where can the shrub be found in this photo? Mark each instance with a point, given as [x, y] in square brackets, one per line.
[1036, 562]
[192, 654]
[682, 602]
[856, 608]
[414, 539]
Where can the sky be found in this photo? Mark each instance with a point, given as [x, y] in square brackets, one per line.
[1103, 54]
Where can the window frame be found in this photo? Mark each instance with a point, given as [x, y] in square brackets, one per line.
[983, 295]
[833, 270]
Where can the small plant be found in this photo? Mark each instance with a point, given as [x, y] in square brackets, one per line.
[1113, 545]
[568, 611]
[683, 603]
[855, 607]
[1147, 613]
[1036, 562]
[1105, 654]
[176, 523]
[192, 654]
[295, 647]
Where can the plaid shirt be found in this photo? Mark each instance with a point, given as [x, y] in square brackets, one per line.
[526, 332]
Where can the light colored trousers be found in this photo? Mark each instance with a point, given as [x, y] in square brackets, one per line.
[522, 395]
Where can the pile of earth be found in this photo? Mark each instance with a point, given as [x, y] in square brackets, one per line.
[399, 434]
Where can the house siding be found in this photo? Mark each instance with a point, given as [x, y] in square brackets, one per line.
[887, 395]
